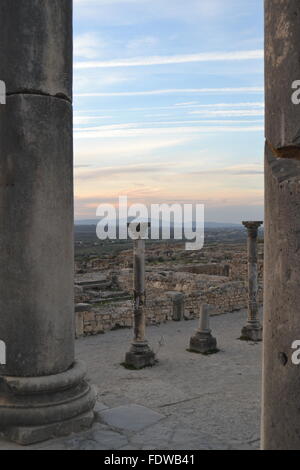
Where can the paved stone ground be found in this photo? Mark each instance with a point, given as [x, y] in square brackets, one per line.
[186, 402]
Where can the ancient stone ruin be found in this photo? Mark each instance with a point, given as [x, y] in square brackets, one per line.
[281, 413]
[253, 330]
[140, 354]
[176, 286]
[43, 389]
[203, 342]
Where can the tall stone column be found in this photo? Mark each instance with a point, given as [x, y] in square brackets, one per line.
[140, 354]
[281, 384]
[253, 330]
[42, 388]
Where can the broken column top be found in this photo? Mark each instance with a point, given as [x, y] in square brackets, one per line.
[252, 225]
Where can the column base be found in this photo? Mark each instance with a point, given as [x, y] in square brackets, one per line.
[25, 436]
[35, 409]
[140, 356]
[203, 342]
[252, 333]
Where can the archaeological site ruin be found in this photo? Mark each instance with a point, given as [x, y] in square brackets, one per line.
[140, 344]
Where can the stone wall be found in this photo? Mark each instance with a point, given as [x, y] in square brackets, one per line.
[220, 279]
[91, 320]
[238, 269]
[209, 269]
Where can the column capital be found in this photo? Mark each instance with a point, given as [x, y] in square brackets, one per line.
[252, 226]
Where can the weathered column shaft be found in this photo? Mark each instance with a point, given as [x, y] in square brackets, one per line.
[252, 232]
[139, 289]
[252, 277]
[202, 341]
[178, 306]
[140, 354]
[36, 187]
[253, 330]
[204, 318]
[40, 384]
[281, 385]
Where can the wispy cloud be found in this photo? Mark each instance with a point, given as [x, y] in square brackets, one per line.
[136, 132]
[235, 170]
[90, 119]
[88, 45]
[86, 172]
[230, 112]
[78, 120]
[131, 170]
[194, 104]
[163, 108]
[85, 150]
[174, 59]
[88, 3]
[211, 91]
[142, 43]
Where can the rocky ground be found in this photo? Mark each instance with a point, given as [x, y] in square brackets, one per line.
[186, 402]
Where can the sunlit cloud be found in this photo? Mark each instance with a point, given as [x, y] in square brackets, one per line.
[131, 170]
[165, 108]
[93, 151]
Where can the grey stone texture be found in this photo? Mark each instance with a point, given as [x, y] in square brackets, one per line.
[206, 402]
[130, 417]
[281, 386]
[253, 330]
[26, 436]
[203, 342]
[140, 354]
[36, 46]
[43, 391]
[36, 244]
[252, 333]
[177, 305]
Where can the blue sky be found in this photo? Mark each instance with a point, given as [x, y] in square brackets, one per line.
[168, 104]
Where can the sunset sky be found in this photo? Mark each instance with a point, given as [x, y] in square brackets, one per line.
[168, 99]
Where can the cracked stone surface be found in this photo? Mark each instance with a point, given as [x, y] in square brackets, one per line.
[130, 417]
[186, 402]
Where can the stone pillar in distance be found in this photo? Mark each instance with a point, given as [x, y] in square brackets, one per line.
[140, 355]
[253, 330]
[203, 342]
[178, 306]
[281, 384]
[43, 392]
[177, 300]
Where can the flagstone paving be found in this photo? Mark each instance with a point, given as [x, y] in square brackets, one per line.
[186, 402]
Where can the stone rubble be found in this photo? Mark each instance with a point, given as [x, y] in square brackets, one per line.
[216, 276]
